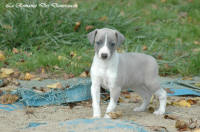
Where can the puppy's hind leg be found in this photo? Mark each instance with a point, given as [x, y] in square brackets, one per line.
[146, 99]
[162, 95]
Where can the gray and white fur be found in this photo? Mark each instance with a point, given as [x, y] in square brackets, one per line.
[115, 71]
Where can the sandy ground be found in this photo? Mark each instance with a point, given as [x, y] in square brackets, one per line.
[16, 121]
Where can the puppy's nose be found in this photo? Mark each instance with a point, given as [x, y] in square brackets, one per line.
[104, 56]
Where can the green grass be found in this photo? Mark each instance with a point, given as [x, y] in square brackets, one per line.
[168, 29]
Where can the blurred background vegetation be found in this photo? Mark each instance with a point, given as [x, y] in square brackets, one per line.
[55, 38]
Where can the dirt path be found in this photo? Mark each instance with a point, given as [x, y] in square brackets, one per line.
[16, 121]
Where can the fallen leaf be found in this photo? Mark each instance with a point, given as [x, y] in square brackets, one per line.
[62, 58]
[181, 125]
[187, 78]
[4, 82]
[172, 117]
[193, 124]
[89, 27]
[56, 67]
[55, 85]
[6, 72]
[8, 98]
[72, 54]
[197, 42]
[144, 47]
[1, 92]
[28, 76]
[115, 115]
[197, 84]
[183, 103]
[15, 51]
[151, 109]
[103, 18]
[166, 66]
[192, 101]
[71, 105]
[83, 74]
[2, 57]
[159, 57]
[77, 25]
[169, 91]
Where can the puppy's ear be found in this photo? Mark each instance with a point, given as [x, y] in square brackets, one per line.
[120, 37]
[91, 36]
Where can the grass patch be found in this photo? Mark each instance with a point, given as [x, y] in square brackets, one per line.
[170, 31]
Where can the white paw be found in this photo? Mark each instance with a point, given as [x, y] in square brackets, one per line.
[96, 116]
[107, 116]
[139, 109]
[159, 112]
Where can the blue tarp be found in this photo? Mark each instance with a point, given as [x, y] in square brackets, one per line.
[98, 124]
[79, 90]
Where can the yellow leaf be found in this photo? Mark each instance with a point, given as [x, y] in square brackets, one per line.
[15, 51]
[197, 84]
[104, 18]
[7, 71]
[55, 85]
[28, 76]
[84, 74]
[197, 130]
[61, 58]
[2, 57]
[187, 78]
[183, 103]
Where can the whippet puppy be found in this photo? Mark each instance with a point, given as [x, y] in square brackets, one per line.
[114, 71]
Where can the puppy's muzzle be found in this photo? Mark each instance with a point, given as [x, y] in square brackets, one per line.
[104, 55]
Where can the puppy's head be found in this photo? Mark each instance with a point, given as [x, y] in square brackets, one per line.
[105, 41]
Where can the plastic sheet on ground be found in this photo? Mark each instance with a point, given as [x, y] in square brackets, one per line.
[96, 125]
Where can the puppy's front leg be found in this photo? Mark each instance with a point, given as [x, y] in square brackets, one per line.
[95, 92]
[114, 96]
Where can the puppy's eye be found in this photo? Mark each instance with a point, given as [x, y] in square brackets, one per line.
[112, 44]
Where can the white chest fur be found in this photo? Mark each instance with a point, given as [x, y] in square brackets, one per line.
[105, 71]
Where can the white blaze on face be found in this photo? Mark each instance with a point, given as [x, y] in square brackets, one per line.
[104, 49]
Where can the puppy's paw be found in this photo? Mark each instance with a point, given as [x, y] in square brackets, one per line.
[159, 112]
[139, 109]
[107, 116]
[96, 116]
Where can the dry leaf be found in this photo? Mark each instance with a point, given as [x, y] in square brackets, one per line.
[192, 101]
[197, 84]
[84, 74]
[183, 103]
[55, 85]
[72, 54]
[172, 117]
[197, 42]
[144, 47]
[151, 109]
[169, 91]
[77, 25]
[166, 66]
[115, 115]
[62, 58]
[6, 72]
[104, 18]
[89, 27]
[2, 57]
[187, 78]
[181, 125]
[8, 98]
[28, 76]
[15, 51]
